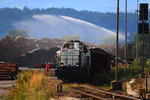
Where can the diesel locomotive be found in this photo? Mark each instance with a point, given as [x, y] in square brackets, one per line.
[75, 61]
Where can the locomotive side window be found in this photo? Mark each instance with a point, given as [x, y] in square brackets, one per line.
[65, 46]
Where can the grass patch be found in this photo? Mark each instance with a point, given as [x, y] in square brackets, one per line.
[105, 87]
[32, 85]
[67, 86]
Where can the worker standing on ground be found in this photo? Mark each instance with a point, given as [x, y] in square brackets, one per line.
[47, 68]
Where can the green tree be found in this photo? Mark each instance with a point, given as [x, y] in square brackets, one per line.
[15, 33]
[142, 45]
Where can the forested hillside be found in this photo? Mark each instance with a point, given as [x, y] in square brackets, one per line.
[8, 16]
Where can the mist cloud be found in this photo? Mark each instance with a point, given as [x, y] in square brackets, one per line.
[57, 26]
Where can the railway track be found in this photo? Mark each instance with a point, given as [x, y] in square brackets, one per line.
[98, 94]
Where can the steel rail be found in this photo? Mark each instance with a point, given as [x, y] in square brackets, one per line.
[98, 95]
[89, 94]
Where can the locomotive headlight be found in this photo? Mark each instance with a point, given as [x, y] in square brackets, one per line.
[61, 64]
[77, 64]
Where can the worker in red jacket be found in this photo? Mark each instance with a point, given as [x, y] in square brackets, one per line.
[47, 68]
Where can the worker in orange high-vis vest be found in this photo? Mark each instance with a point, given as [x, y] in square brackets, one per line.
[47, 68]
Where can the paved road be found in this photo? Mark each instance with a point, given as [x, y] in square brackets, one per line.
[4, 85]
[27, 68]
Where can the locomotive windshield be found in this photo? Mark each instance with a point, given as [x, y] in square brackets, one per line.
[75, 45]
[68, 46]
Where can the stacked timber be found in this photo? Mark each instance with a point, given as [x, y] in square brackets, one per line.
[8, 70]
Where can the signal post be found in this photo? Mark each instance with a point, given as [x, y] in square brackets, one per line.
[143, 30]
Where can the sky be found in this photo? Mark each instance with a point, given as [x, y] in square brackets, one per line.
[91, 5]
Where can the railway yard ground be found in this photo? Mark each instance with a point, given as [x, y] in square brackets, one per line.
[70, 91]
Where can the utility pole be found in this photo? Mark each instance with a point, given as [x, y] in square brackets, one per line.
[137, 36]
[126, 55]
[117, 34]
[116, 84]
